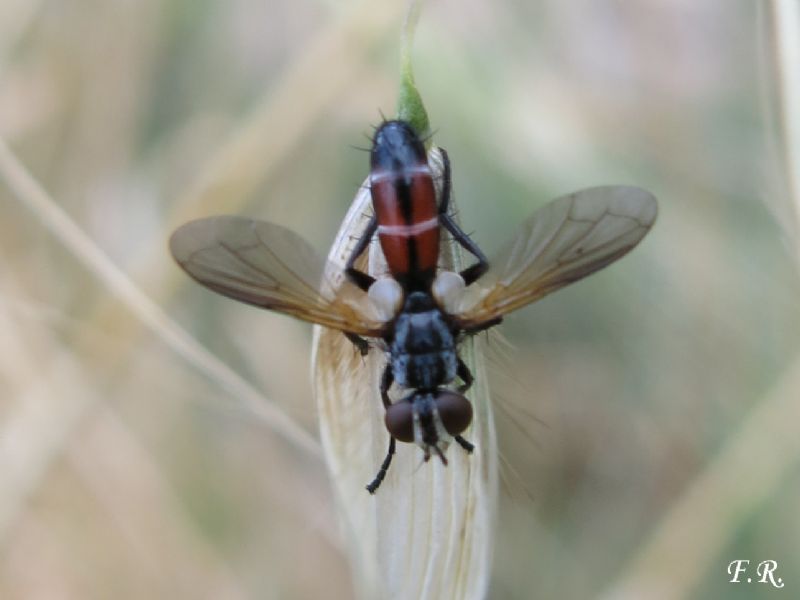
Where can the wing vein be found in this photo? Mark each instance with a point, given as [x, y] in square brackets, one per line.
[564, 241]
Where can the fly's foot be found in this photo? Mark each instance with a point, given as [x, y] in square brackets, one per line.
[465, 444]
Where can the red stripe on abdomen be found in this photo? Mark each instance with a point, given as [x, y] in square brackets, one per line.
[408, 222]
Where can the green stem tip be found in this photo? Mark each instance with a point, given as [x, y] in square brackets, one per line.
[410, 107]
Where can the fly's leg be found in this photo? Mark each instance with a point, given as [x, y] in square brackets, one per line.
[386, 382]
[466, 376]
[464, 444]
[483, 326]
[361, 279]
[446, 183]
[373, 485]
[439, 453]
[360, 343]
[470, 274]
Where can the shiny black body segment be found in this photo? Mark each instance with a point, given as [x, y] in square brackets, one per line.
[396, 147]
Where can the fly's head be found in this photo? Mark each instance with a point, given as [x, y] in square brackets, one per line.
[429, 419]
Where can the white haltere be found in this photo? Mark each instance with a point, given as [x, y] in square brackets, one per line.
[427, 533]
[387, 296]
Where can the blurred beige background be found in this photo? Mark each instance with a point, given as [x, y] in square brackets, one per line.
[646, 415]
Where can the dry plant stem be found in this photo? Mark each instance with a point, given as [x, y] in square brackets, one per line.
[427, 532]
[30, 438]
[227, 180]
[139, 504]
[29, 192]
[251, 154]
[755, 461]
[142, 505]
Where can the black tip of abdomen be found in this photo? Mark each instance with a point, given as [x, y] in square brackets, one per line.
[396, 146]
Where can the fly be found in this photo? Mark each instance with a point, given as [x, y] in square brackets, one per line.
[417, 314]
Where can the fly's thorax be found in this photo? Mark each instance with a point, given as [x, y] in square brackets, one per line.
[423, 348]
[424, 371]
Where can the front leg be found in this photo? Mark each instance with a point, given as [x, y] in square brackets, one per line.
[465, 444]
[465, 374]
[483, 326]
[386, 382]
[375, 483]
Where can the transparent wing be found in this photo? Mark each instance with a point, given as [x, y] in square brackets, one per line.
[564, 241]
[269, 266]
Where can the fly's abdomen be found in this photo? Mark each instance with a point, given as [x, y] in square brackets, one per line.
[404, 200]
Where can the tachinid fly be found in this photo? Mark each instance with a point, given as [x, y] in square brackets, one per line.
[416, 314]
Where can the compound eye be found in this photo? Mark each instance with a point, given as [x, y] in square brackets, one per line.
[448, 289]
[387, 296]
[399, 421]
[455, 411]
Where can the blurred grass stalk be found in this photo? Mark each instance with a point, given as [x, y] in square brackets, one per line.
[752, 465]
[264, 138]
[109, 451]
[427, 532]
[27, 190]
[232, 173]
